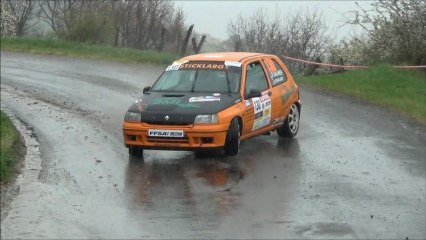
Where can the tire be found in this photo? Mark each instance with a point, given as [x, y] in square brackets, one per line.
[232, 141]
[135, 151]
[291, 125]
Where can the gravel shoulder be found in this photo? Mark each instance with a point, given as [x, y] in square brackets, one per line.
[10, 189]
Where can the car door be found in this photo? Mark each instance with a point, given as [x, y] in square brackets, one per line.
[258, 109]
[281, 88]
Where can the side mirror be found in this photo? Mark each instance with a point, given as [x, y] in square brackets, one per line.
[254, 93]
[146, 89]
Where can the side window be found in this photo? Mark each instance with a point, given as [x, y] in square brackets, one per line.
[255, 78]
[278, 76]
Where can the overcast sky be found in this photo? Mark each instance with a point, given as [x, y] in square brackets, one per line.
[212, 17]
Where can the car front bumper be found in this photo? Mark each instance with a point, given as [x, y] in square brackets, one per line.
[195, 136]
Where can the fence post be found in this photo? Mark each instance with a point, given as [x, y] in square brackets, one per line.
[186, 40]
[194, 44]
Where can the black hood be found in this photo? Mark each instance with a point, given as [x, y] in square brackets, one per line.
[180, 108]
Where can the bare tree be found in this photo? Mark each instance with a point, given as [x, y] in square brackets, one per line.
[154, 24]
[58, 14]
[176, 31]
[302, 35]
[22, 11]
[305, 36]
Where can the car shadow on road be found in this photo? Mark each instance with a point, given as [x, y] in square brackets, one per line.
[156, 169]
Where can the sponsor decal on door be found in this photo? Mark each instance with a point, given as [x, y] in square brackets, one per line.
[262, 111]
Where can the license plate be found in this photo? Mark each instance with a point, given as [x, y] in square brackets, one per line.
[165, 133]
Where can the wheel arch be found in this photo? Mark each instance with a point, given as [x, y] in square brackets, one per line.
[298, 102]
[299, 106]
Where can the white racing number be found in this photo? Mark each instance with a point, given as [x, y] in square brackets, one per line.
[173, 67]
[257, 104]
[262, 111]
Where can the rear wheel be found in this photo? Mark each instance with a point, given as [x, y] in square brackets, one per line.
[232, 141]
[136, 151]
[291, 124]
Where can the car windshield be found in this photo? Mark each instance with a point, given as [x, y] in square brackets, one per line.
[200, 78]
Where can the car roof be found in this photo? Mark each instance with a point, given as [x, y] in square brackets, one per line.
[222, 56]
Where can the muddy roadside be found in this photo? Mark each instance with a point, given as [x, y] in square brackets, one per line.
[11, 188]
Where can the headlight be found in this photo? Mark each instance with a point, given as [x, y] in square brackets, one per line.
[206, 119]
[133, 116]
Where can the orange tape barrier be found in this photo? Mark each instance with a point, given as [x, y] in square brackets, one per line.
[346, 66]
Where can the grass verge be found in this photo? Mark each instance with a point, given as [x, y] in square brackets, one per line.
[9, 148]
[401, 90]
[83, 50]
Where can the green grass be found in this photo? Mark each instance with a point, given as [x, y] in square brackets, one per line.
[83, 50]
[9, 137]
[401, 90]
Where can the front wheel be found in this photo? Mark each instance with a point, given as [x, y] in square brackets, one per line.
[291, 124]
[232, 141]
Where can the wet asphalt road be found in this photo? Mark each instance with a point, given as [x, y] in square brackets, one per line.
[354, 170]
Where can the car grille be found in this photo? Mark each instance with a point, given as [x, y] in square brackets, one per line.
[167, 123]
[167, 119]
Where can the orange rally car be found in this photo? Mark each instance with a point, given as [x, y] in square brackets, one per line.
[214, 100]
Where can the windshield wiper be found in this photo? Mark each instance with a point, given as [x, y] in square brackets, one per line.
[227, 81]
[193, 84]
